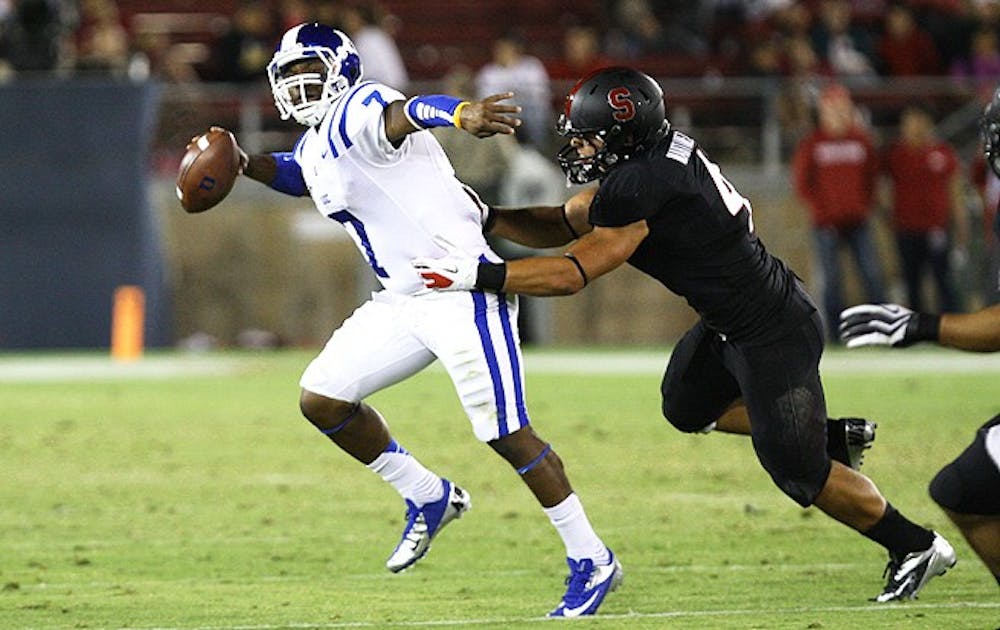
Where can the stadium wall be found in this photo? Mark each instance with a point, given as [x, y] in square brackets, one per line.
[76, 218]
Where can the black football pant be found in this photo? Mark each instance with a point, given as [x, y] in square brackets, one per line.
[780, 385]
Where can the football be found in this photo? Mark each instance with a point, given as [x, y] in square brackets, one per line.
[208, 170]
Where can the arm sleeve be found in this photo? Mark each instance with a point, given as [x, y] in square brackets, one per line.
[289, 178]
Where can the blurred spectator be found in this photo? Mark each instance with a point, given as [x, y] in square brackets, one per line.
[834, 173]
[635, 29]
[927, 205]
[986, 13]
[905, 49]
[295, 12]
[325, 11]
[988, 186]
[581, 54]
[242, 53]
[169, 62]
[951, 25]
[764, 59]
[730, 24]
[791, 19]
[514, 71]
[531, 179]
[102, 41]
[799, 93]
[983, 62]
[685, 27]
[382, 61]
[32, 37]
[479, 163]
[846, 48]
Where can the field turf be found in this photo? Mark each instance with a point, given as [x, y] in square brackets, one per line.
[185, 492]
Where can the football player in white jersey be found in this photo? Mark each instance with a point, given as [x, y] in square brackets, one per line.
[368, 163]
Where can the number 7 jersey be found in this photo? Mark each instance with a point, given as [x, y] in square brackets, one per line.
[396, 203]
[701, 243]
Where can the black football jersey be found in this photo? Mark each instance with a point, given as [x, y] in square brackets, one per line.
[701, 244]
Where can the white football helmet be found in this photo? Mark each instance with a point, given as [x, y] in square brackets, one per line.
[306, 96]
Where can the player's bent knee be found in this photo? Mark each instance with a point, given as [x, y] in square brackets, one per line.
[946, 488]
[324, 412]
[521, 447]
[688, 423]
[803, 493]
[800, 485]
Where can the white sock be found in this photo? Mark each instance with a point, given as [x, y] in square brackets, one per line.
[408, 476]
[580, 539]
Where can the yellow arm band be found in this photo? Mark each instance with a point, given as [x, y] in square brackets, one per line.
[457, 117]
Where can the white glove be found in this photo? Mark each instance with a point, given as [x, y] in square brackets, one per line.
[885, 325]
[450, 273]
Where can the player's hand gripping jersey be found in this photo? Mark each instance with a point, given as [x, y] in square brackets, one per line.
[396, 203]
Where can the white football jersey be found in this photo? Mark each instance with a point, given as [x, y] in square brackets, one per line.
[397, 204]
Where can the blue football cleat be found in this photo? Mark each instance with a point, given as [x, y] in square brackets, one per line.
[423, 524]
[587, 586]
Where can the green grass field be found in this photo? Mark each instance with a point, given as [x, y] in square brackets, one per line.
[186, 492]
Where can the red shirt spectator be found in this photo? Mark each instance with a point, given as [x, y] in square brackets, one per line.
[581, 55]
[905, 49]
[922, 178]
[835, 167]
[834, 170]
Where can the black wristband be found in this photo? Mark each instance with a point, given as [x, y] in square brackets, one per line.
[491, 276]
[922, 327]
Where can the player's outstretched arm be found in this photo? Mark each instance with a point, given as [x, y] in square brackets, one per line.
[898, 326]
[543, 226]
[603, 250]
[594, 255]
[482, 118]
[977, 332]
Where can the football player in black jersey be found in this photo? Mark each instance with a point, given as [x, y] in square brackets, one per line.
[751, 363]
[967, 489]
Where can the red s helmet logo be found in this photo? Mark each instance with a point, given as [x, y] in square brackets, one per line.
[620, 100]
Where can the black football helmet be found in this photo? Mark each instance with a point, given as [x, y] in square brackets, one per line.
[989, 126]
[621, 106]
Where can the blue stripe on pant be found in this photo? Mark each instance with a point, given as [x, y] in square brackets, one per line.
[482, 324]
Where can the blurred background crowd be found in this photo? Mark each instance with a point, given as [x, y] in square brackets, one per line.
[852, 124]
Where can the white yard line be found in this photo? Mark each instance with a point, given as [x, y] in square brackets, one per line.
[880, 361]
[46, 368]
[667, 614]
[25, 368]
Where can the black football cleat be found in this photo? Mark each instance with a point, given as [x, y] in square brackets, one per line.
[847, 439]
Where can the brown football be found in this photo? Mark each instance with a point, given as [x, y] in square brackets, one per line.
[209, 170]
